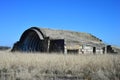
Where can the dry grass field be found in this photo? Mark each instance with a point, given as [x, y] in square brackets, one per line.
[87, 67]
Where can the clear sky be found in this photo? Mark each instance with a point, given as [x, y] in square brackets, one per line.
[98, 17]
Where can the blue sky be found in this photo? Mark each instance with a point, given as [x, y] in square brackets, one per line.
[98, 17]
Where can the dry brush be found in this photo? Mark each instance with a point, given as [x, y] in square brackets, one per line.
[31, 66]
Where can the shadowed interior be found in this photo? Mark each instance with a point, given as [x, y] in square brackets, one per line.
[56, 45]
[32, 40]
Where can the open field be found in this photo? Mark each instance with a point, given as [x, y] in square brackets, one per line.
[33, 66]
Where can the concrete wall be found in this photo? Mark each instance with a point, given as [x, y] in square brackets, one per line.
[84, 49]
[73, 49]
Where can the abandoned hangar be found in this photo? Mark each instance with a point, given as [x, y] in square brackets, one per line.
[37, 39]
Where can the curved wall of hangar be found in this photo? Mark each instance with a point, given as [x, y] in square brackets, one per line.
[47, 40]
[31, 40]
[34, 29]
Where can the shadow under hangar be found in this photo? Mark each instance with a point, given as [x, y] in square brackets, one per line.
[37, 39]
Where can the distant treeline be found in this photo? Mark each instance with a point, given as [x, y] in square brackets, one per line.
[4, 47]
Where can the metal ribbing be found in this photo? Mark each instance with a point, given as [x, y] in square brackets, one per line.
[31, 43]
[31, 40]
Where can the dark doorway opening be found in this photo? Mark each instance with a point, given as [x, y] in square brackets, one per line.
[103, 50]
[110, 49]
[73, 51]
[94, 50]
[56, 45]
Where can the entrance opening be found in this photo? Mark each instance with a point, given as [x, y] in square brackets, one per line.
[103, 50]
[110, 49]
[73, 51]
[94, 50]
[56, 45]
[32, 43]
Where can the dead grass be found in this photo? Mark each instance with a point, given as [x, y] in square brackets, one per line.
[93, 67]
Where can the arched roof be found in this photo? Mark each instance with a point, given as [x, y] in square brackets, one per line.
[33, 38]
[30, 40]
[26, 33]
[70, 37]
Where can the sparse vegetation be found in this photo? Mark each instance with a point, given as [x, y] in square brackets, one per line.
[90, 67]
